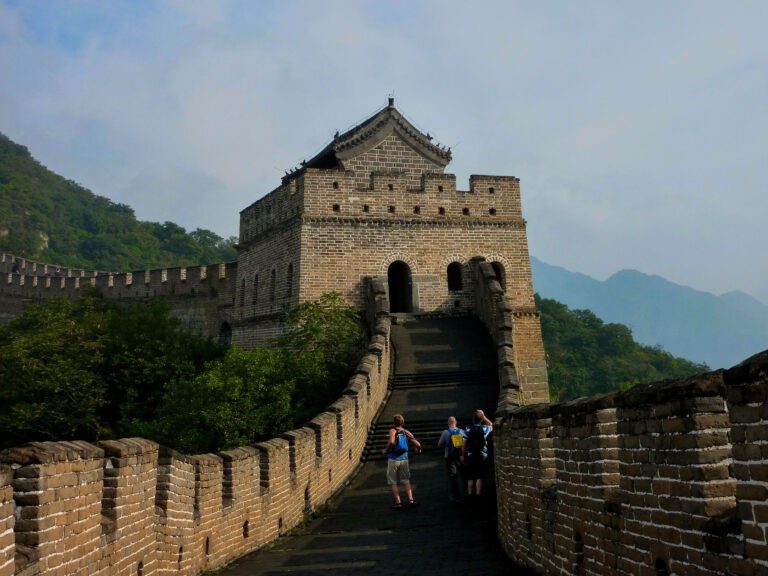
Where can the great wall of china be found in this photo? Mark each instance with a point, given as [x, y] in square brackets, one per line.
[665, 478]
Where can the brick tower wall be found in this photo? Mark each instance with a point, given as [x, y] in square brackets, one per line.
[350, 234]
[394, 155]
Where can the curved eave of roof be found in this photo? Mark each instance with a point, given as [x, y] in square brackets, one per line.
[372, 132]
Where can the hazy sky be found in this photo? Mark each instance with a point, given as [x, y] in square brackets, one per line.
[639, 131]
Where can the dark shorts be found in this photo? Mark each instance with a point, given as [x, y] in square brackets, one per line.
[475, 466]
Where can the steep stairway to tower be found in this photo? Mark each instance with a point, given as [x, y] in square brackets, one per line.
[444, 367]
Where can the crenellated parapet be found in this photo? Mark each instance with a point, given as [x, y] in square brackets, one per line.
[201, 296]
[389, 195]
[516, 332]
[161, 282]
[10, 263]
[665, 478]
[129, 506]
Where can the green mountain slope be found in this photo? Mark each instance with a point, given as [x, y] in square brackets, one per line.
[719, 330]
[49, 218]
[586, 356]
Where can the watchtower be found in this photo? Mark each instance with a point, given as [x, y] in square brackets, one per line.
[376, 202]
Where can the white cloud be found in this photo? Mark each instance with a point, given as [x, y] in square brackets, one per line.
[638, 131]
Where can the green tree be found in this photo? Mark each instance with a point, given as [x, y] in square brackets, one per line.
[145, 349]
[326, 341]
[239, 400]
[49, 383]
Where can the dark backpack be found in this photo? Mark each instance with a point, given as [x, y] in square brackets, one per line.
[400, 446]
[476, 441]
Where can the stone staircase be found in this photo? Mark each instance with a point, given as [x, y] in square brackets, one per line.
[444, 367]
[427, 430]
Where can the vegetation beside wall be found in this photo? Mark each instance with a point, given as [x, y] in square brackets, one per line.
[90, 370]
[586, 356]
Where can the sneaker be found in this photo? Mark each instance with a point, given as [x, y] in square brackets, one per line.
[413, 504]
[397, 506]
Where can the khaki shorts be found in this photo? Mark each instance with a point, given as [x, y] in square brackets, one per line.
[398, 470]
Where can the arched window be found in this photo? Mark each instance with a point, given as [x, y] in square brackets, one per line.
[272, 280]
[242, 293]
[289, 281]
[455, 283]
[255, 288]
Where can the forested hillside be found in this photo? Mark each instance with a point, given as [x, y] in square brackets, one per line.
[49, 218]
[586, 356]
[719, 330]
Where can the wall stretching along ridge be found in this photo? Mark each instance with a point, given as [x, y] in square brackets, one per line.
[665, 478]
[127, 507]
[201, 296]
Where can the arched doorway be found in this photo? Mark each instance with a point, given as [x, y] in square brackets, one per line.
[225, 334]
[501, 274]
[400, 292]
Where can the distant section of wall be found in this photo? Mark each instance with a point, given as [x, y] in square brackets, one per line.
[666, 478]
[8, 263]
[202, 296]
[128, 507]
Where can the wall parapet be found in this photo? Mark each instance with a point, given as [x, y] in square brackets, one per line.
[664, 478]
[131, 506]
[139, 284]
[27, 267]
[516, 333]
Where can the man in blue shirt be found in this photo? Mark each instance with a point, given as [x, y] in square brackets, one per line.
[397, 463]
[475, 452]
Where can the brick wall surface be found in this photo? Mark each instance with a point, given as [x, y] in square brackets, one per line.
[391, 154]
[665, 478]
[128, 507]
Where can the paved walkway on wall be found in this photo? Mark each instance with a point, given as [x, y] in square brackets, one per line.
[438, 369]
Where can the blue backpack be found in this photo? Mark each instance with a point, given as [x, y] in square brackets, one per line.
[455, 442]
[400, 446]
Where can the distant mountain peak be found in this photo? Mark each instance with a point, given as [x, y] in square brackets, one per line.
[719, 330]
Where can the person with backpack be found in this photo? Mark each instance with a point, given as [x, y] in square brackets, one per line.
[475, 451]
[452, 441]
[398, 471]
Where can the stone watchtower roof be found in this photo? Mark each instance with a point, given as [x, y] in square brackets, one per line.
[370, 133]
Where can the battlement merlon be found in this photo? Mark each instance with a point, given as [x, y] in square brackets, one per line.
[336, 192]
[389, 193]
[34, 268]
[157, 282]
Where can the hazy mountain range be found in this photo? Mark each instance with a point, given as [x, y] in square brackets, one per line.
[719, 330]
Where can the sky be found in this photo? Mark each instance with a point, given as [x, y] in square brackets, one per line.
[639, 130]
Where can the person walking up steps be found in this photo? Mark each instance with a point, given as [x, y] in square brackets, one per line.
[452, 440]
[475, 452]
[397, 463]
